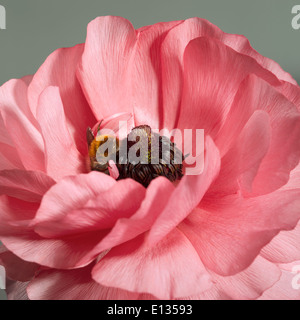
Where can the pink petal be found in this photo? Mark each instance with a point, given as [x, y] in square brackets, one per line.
[86, 203]
[59, 70]
[147, 75]
[25, 185]
[16, 290]
[173, 49]
[5, 137]
[291, 92]
[125, 229]
[21, 125]
[212, 75]
[62, 156]
[294, 181]
[113, 170]
[79, 237]
[17, 269]
[137, 267]
[121, 70]
[285, 247]
[120, 123]
[187, 195]
[15, 215]
[73, 285]
[228, 233]
[9, 158]
[104, 68]
[283, 289]
[240, 164]
[284, 151]
[251, 283]
[27, 79]
[67, 253]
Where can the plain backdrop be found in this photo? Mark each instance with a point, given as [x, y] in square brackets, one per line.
[35, 28]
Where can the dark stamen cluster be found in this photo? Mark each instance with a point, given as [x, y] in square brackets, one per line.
[150, 168]
[166, 161]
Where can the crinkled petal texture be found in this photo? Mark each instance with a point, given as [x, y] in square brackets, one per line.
[230, 232]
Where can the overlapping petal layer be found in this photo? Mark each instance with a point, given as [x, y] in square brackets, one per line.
[226, 233]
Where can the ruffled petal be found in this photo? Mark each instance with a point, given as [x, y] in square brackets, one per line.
[17, 269]
[249, 284]
[156, 199]
[283, 289]
[147, 75]
[75, 215]
[61, 154]
[9, 158]
[240, 164]
[86, 203]
[138, 267]
[173, 48]
[104, 71]
[25, 185]
[16, 290]
[228, 233]
[65, 253]
[187, 195]
[284, 151]
[284, 248]
[212, 75]
[21, 126]
[73, 285]
[59, 70]
[121, 69]
[15, 215]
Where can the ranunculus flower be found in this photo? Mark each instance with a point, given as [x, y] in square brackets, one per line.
[231, 232]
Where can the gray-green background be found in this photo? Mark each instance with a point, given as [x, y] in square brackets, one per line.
[35, 28]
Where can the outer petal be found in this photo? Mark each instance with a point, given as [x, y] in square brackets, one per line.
[284, 151]
[294, 181]
[66, 253]
[285, 247]
[9, 158]
[173, 49]
[240, 164]
[86, 203]
[104, 71]
[147, 75]
[25, 185]
[62, 156]
[73, 285]
[59, 70]
[291, 92]
[187, 195]
[17, 269]
[21, 125]
[121, 69]
[67, 216]
[230, 232]
[212, 75]
[136, 267]
[247, 285]
[251, 283]
[283, 289]
[16, 290]
[15, 215]
[157, 196]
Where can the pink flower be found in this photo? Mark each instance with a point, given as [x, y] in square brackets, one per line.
[231, 232]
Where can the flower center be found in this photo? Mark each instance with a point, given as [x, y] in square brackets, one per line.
[143, 156]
